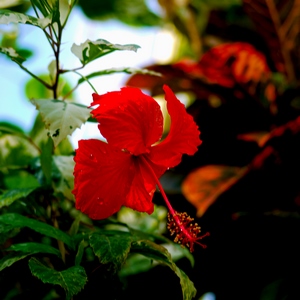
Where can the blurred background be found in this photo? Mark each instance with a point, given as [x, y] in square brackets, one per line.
[236, 64]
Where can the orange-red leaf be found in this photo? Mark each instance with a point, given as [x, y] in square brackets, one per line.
[231, 63]
[203, 186]
[259, 137]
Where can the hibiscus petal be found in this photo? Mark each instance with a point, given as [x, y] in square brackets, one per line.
[129, 119]
[143, 185]
[140, 196]
[103, 177]
[183, 137]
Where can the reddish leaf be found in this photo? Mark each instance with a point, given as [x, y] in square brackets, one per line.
[177, 78]
[171, 76]
[203, 186]
[231, 63]
[278, 23]
[259, 137]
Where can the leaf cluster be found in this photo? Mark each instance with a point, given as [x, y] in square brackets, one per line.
[67, 262]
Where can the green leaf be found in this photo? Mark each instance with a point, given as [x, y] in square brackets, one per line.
[64, 148]
[15, 150]
[111, 249]
[61, 118]
[20, 179]
[80, 252]
[136, 263]
[65, 165]
[36, 90]
[41, 5]
[38, 133]
[7, 16]
[161, 254]
[72, 280]
[13, 55]
[33, 248]
[154, 223]
[10, 259]
[91, 50]
[10, 3]
[119, 70]
[177, 252]
[8, 197]
[6, 127]
[46, 159]
[56, 12]
[131, 12]
[187, 286]
[18, 221]
[75, 225]
[7, 232]
[52, 70]
[137, 235]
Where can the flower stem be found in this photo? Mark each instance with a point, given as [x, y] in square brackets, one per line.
[170, 208]
[172, 212]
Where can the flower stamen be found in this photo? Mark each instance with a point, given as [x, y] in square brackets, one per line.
[186, 232]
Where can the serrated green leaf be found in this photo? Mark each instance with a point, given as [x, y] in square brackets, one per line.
[8, 197]
[91, 50]
[18, 221]
[13, 55]
[61, 118]
[7, 16]
[33, 248]
[65, 165]
[10, 259]
[161, 254]
[111, 249]
[118, 70]
[72, 280]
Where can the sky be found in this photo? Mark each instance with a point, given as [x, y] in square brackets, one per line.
[156, 46]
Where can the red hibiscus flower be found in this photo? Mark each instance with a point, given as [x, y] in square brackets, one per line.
[109, 175]
[125, 170]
